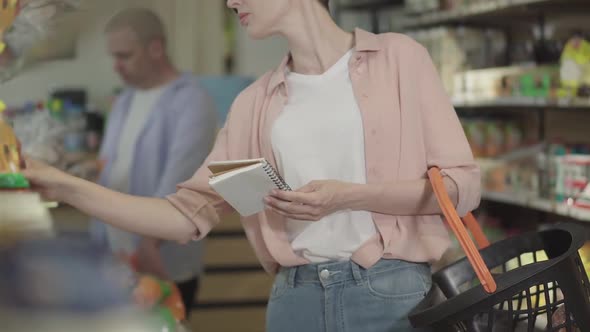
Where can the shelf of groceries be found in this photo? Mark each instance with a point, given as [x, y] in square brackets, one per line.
[534, 202]
[449, 12]
[369, 4]
[524, 102]
[552, 177]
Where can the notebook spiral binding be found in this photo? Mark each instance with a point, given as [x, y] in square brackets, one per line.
[276, 177]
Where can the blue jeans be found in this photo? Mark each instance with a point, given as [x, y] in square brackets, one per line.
[345, 297]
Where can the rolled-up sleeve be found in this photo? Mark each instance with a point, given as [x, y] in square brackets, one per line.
[446, 144]
[196, 200]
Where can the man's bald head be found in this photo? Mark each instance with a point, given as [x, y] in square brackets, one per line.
[137, 42]
[144, 23]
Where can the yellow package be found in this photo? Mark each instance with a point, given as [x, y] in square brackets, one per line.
[575, 66]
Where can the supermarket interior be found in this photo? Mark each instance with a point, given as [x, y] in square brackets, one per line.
[516, 71]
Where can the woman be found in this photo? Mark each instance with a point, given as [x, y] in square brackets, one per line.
[353, 120]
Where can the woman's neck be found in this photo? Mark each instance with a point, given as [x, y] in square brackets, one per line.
[315, 41]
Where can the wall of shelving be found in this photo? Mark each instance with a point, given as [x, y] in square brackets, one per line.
[520, 23]
[190, 24]
[235, 288]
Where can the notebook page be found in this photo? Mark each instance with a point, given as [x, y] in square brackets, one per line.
[223, 166]
[244, 189]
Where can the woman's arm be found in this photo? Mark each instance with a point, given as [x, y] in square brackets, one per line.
[146, 216]
[401, 198]
[321, 198]
[154, 217]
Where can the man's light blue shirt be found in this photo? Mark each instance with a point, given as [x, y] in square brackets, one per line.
[177, 137]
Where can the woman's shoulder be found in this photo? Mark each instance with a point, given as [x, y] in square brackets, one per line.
[403, 46]
[254, 90]
[245, 104]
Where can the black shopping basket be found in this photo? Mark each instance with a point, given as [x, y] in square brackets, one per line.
[531, 282]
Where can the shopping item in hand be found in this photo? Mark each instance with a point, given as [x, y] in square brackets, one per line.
[10, 159]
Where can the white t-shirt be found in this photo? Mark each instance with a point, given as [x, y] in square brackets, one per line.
[141, 107]
[319, 136]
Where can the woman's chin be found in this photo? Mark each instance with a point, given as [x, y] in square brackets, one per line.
[257, 34]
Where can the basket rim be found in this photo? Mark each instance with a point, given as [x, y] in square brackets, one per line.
[423, 313]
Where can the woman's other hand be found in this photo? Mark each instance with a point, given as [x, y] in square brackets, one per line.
[313, 201]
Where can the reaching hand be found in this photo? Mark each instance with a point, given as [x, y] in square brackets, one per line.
[46, 180]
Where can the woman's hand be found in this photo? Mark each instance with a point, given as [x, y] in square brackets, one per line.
[48, 181]
[313, 201]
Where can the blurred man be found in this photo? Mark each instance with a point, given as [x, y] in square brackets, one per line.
[159, 132]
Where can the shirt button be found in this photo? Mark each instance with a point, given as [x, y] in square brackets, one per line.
[324, 275]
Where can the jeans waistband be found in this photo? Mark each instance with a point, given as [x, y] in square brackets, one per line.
[337, 272]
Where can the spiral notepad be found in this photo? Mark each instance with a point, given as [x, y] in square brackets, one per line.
[275, 177]
[244, 183]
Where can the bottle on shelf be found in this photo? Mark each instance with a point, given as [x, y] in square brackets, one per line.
[555, 152]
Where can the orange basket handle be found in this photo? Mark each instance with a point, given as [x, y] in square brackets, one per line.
[448, 210]
[473, 226]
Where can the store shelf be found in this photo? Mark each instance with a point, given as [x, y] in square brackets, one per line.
[490, 11]
[372, 7]
[526, 102]
[370, 4]
[536, 203]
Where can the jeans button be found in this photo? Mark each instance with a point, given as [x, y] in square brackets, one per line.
[324, 275]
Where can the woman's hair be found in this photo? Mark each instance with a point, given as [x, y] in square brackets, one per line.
[325, 3]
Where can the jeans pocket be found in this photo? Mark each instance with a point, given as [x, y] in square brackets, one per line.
[280, 285]
[408, 281]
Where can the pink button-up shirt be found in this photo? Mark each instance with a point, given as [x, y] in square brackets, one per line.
[409, 125]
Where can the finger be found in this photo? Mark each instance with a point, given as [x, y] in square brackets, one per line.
[294, 196]
[28, 174]
[29, 162]
[34, 163]
[21, 157]
[308, 188]
[287, 206]
[297, 216]
[33, 177]
[302, 217]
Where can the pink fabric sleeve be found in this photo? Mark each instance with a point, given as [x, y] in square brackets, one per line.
[196, 200]
[446, 144]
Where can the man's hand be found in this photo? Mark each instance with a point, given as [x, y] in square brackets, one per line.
[149, 259]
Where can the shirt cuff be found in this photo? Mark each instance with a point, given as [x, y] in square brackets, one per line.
[468, 183]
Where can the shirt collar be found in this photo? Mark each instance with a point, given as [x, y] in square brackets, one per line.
[364, 42]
